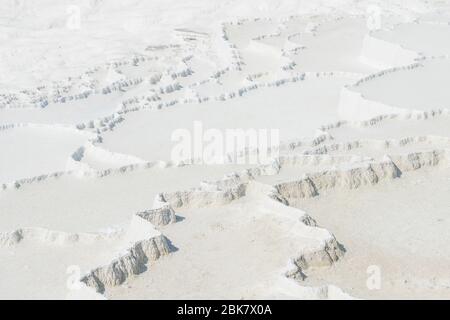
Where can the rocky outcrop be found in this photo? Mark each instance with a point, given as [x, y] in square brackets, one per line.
[389, 168]
[324, 256]
[199, 198]
[159, 216]
[133, 262]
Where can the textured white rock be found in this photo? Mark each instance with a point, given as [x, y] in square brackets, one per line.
[133, 262]
[88, 182]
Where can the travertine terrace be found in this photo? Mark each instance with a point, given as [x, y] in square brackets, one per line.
[351, 203]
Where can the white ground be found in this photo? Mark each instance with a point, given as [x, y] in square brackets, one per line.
[391, 226]
[93, 205]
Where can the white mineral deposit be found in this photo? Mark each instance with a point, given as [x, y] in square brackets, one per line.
[229, 149]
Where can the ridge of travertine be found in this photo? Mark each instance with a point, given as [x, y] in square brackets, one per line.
[147, 245]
